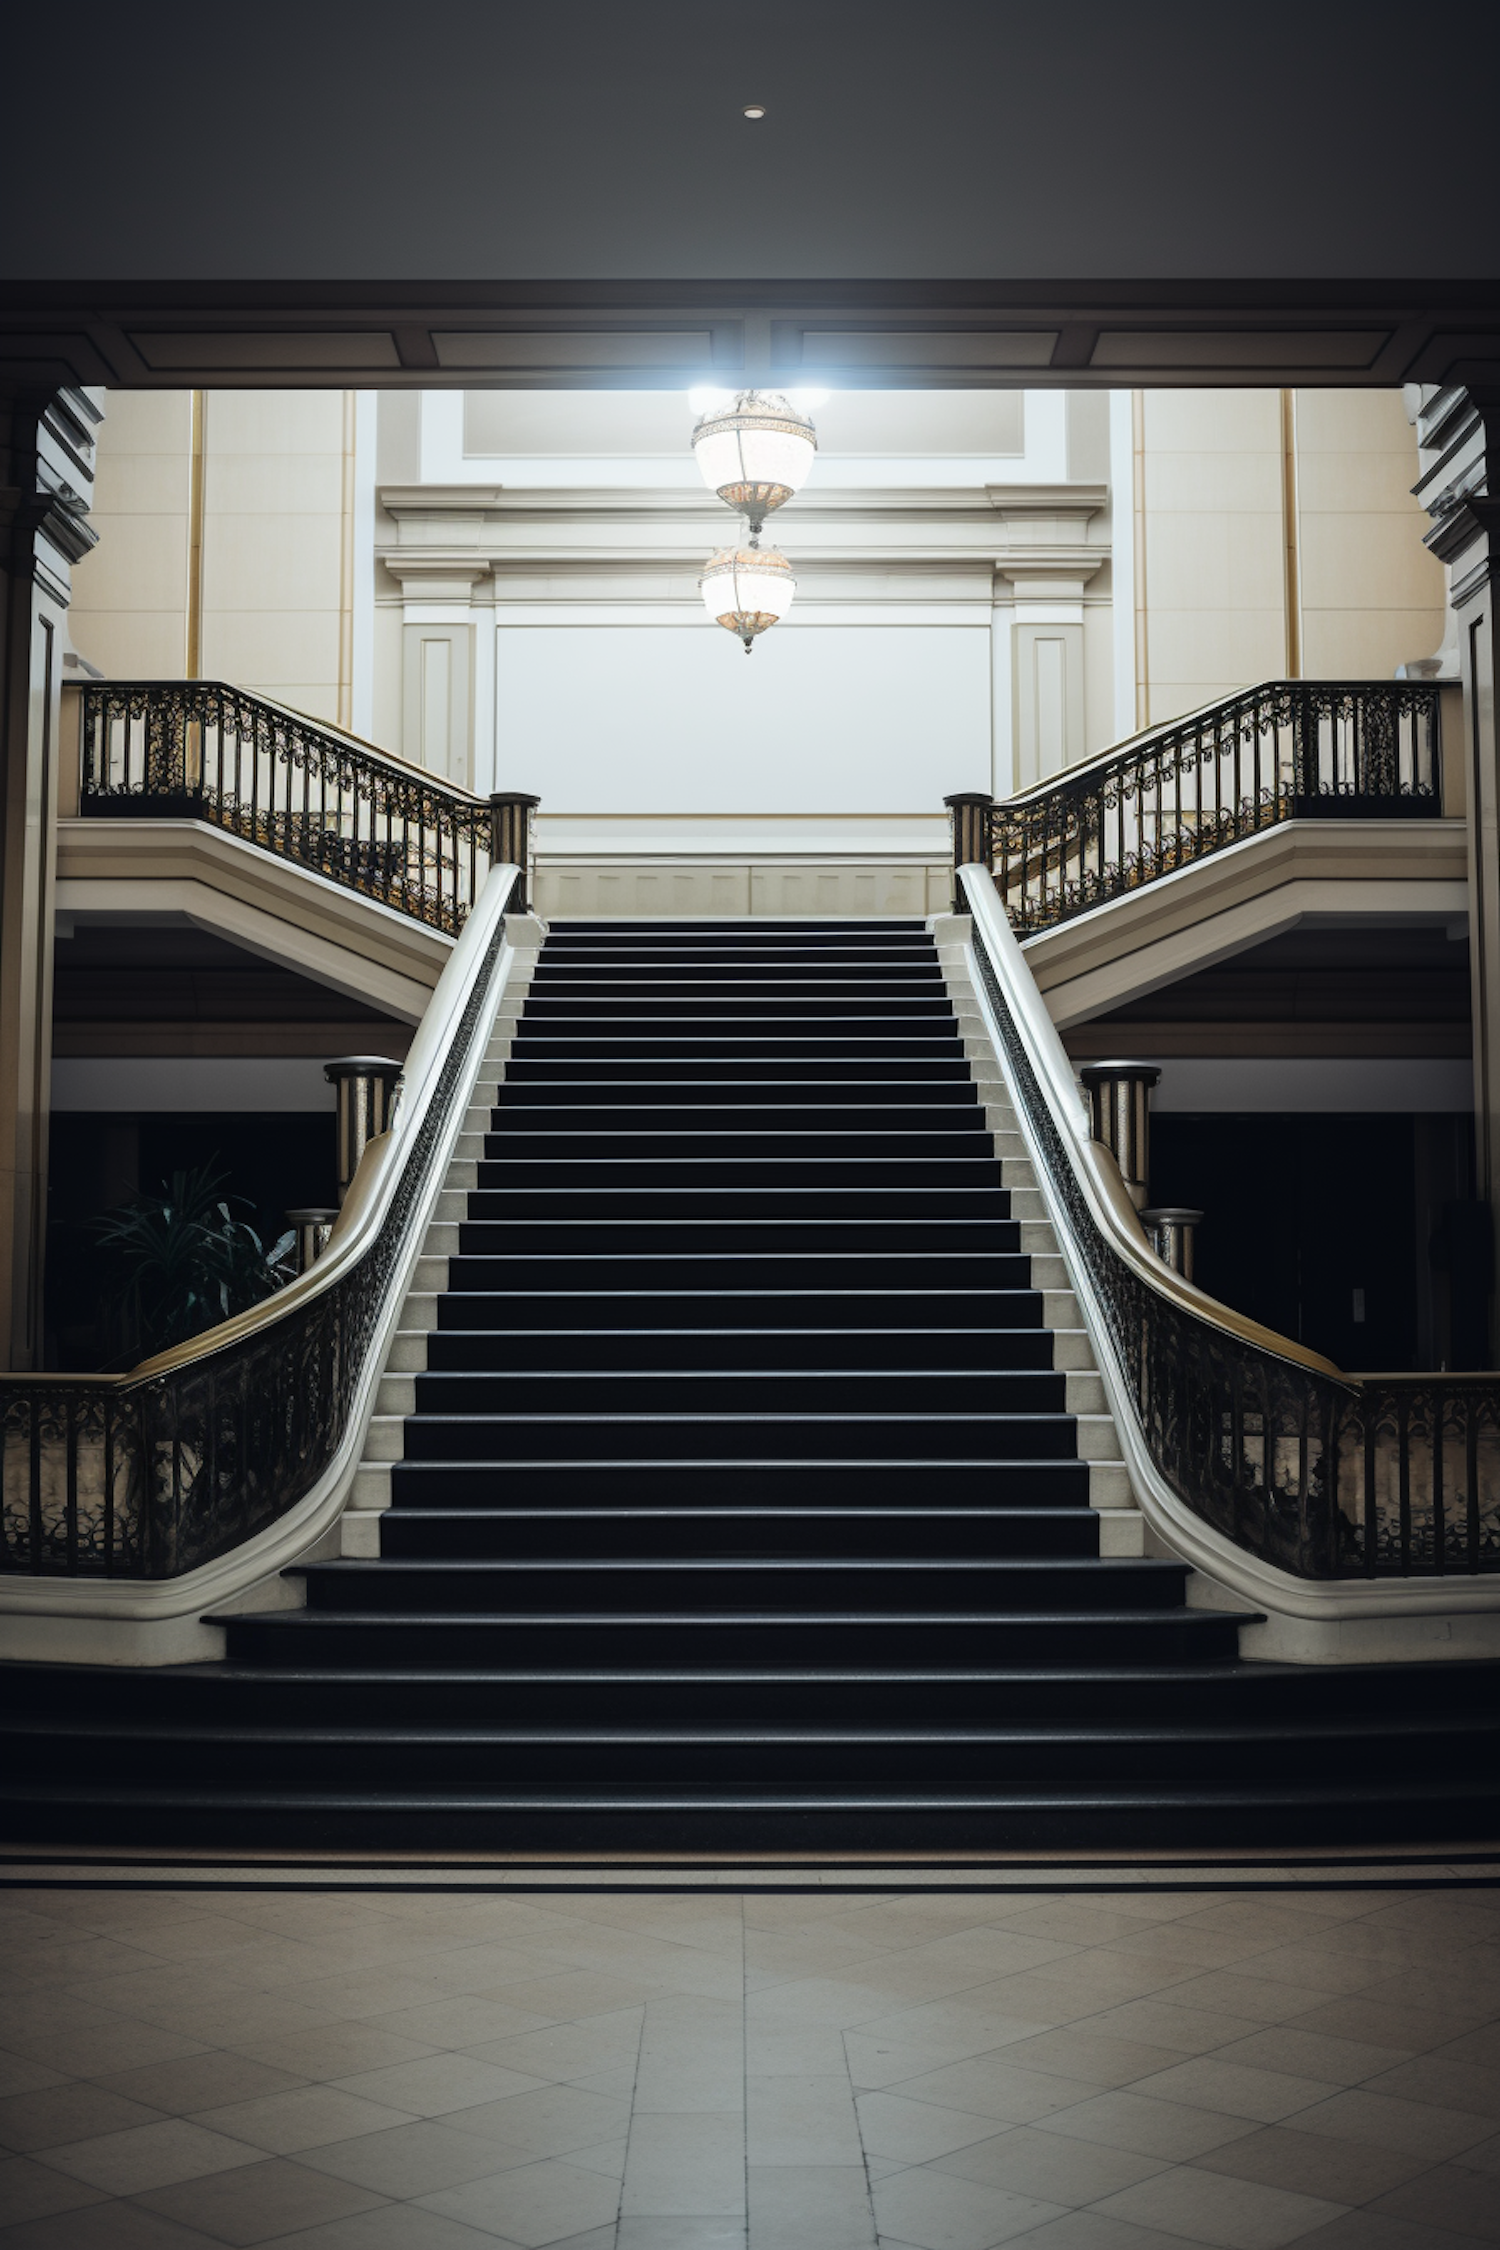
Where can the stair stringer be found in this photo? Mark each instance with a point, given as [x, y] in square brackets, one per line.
[357, 1532]
[1287, 1619]
[1122, 1528]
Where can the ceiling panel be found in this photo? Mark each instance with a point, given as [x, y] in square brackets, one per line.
[570, 349]
[1277, 348]
[264, 350]
[927, 347]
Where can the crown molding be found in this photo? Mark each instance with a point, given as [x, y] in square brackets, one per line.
[410, 503]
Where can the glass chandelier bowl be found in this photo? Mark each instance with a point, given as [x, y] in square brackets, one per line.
[755, 452]
[747, 590]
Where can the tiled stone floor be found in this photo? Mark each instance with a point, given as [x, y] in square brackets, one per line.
[358, 2070]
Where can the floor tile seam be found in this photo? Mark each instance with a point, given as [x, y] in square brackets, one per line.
[1339, 2209]
[1164, 2166]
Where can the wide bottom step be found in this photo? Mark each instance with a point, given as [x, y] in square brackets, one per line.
[1149, 1821]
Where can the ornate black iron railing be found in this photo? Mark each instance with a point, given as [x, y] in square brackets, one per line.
[1419, 1473]
[200, 750]
[1320, 1474]
[151, 1475]
[1287, 750]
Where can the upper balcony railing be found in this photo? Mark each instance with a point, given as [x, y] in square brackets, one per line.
[303, 791]
[1286, 750]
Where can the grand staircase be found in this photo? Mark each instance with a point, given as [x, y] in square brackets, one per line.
[756, 1495]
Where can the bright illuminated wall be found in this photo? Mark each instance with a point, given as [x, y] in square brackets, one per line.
[539, 553]
[676, 719]
[992, 584]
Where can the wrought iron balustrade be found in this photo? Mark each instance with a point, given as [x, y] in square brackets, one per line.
[306, 792]
[1287, 750]
[151, 1474]
[1318, 1473]
[1418, 1468]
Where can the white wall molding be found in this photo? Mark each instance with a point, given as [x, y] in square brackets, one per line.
[893, 554]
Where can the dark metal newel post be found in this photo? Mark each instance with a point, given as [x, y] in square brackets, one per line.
[1173, 1229]
[970, 812]
[313, 1223]
[364, 1085]
[1120, 1106]
[510, 839]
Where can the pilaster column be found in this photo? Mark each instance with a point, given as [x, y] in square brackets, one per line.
[1466, 536]
[46, 478]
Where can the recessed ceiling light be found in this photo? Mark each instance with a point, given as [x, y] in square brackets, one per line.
[755, 109]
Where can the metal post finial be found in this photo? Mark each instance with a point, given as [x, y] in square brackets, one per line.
[1120, 1106]
[365, 1088]
[970, 811]
[510, 839]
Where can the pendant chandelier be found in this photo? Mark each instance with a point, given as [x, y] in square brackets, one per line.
[747, 590]
[755, 453]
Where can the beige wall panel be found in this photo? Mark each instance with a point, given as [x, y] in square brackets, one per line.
[276, 422]
[141, 562]
[273, 544]
[1211, 421]
[1366, 644]
[130, 644]
[271, 563]
[1216, 560]
[854, 891]
[1355, 422]
[1360, 484]
[851, 889]
[285, 484]
[1169, 699]
[1212, 483]
[1364, 562]
[1217, 644]
[270, 645]
[1372, 596]
[315, 699]
[147, 422]
[130, 592]
[643, 891]
[141, 484]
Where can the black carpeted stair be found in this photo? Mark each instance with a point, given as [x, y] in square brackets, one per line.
[742, 1508]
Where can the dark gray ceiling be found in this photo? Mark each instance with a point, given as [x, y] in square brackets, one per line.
[973, 191]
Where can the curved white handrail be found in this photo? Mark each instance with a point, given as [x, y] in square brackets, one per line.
[1099, 1176]
[1259, 1583]
[483, 956]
